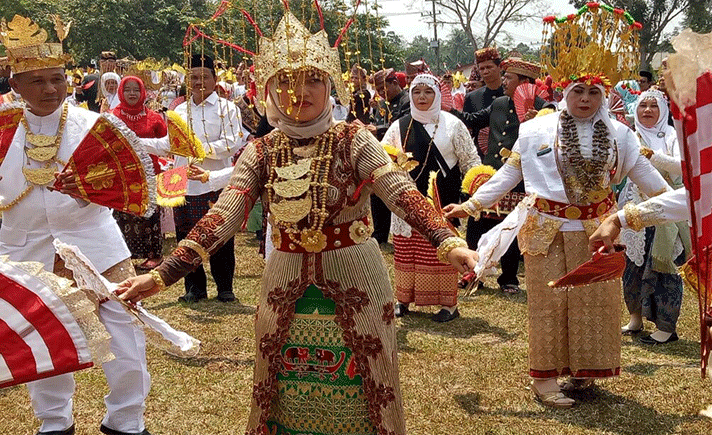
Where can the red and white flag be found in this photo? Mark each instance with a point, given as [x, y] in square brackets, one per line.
[39, 336]
[693, 123]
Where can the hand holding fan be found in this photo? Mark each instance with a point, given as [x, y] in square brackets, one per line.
[601, 267]
[183, 140]
[523, 98]
[112, 168]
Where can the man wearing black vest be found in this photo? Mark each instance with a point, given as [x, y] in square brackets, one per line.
[503, 123]
[488, 61]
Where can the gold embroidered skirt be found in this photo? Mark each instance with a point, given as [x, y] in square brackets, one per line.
[572, 331]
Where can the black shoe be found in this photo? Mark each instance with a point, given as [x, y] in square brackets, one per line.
[226, 297]
[650, 340]
[108, 431]
[444, 315]
[191, 297]
[69, 431]
[400, 310]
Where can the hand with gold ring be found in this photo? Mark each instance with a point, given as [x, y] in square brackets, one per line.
[198, 173]
[137, 288]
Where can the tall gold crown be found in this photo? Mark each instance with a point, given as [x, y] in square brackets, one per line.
[27, 47]
[596, 45]
[293, 48]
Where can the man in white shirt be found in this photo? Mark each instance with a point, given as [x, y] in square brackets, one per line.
[218, 125]
[34, 216]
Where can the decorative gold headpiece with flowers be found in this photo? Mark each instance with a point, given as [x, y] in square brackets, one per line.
[598, 45]
[27, 47]
[292, 48]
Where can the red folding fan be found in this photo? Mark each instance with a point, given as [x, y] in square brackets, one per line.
[524, 97]
[601, 267]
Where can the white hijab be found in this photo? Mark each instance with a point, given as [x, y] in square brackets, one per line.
[111, 99]
[657, 136]
[431, 115]
[277, 117]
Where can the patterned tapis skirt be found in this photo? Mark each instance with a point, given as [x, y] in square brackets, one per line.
[420, 277]
[319, 388]
[143, 235]
[572, 331]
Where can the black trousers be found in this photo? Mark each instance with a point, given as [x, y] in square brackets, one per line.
[381, 219]
[509, 261]
[222, 262]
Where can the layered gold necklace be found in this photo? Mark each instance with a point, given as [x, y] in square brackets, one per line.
[44, 150]
[303, 188]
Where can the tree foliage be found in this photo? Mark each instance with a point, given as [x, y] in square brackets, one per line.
[482, 20]
[155, 28]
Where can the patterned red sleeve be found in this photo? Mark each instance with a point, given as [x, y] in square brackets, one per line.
[223, 220]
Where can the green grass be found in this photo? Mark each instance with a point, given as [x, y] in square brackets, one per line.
[464, 377]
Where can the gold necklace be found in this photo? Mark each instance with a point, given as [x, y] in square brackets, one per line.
[40, 176]
[45, 150]
[308, 177]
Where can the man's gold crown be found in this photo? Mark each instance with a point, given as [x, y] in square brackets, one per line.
[27, 47]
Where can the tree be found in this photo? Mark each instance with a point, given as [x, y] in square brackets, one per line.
[482, 20]
[655, 15]
[698, 16]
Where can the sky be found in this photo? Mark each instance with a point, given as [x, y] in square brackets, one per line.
[405, 20]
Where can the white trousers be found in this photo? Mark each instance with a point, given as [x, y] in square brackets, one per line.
[127, 377]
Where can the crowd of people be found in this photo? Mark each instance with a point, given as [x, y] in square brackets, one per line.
[335, 172]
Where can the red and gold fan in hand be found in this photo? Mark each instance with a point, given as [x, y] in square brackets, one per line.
[110, 167]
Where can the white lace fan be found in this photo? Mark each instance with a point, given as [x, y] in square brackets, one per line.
[175, 342]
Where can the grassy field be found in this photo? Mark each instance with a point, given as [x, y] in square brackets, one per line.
[465, 377]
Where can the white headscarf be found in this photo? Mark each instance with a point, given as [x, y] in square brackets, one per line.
[431, 115]
[277, 117]
[657, 136]
[111, 99]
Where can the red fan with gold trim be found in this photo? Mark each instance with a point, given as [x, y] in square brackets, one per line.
[111, 168]
[601, 267]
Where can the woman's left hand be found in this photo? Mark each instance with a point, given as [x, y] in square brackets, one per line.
[463, 259]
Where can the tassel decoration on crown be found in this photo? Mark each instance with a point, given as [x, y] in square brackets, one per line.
[598, 45]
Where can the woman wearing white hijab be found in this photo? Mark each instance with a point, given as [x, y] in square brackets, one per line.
[651, 286]
[440, 143]
[569, 159]
[109, 89]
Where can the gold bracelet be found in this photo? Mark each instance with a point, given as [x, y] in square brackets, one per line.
[205, 177]
[473, 208]
[448, 245]
[158, 280]
[647, 152]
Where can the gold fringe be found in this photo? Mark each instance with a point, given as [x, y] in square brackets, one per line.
[170, 202]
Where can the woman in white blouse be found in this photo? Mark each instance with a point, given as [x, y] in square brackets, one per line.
[441, 144]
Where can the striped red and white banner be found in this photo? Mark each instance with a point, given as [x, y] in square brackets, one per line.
[694, 129]
[39, 337]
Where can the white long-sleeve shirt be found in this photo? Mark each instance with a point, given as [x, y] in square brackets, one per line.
[217, 122]
[29, 228]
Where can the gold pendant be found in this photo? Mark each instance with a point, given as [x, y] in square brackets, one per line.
[294, 171]
[40, 140]
[42, 154]
[313, 240]
[306, 151]
[291, 188]
[291, 211]
[39, 176]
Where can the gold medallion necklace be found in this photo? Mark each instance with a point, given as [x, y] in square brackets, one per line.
[303, 187]
[44, 149]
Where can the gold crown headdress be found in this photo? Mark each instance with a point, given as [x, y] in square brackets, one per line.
[596, 45]
[293, 48]
[26, 46]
